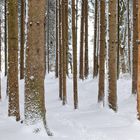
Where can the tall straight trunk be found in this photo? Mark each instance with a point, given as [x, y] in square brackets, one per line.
[118, 45]
[128, 39]
[22, 39]
[135, 47]
[77, 2]
[57, 42]
[66, 36]
[60, 52]
[35, 111]
[75, 93]
[13, 86]
[95, 63]
[64, 43]
[102, 54]
[122, 59]
[45, 43]
[0, 58]
[5, 37]
[81, 66]
[138, 81]
[48, 37]
[86, 67]
[112, 58]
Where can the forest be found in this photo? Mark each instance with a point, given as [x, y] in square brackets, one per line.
[70, 69]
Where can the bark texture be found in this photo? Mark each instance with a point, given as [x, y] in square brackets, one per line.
[34, 77]
[102, 53]
[112, 58]
[13, 87]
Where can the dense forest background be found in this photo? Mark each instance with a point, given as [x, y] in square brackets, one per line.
[70, 69]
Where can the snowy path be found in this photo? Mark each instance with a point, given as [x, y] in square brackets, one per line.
[89, 122]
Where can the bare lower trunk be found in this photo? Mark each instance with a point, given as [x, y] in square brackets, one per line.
[13, 88]
[112, 97]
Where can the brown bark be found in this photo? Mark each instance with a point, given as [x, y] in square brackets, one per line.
[0, 58]
[102, 54]
[138, 81]
[13, 87]
[129, 38]
[64, 43]
[122, 59]
[112, 62]
[60, 51]
[135, 47]
[57, 41]
[81, 67]
[5, 37]
[34, 76]
[86, 67]
[75, 93]
[118, 46]
[22, 39]
[95, 59]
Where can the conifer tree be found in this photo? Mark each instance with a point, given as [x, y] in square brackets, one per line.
[135, 47]
[75, 92]
[112, 56]
[13, 86]
[35, 112]
[102, 53]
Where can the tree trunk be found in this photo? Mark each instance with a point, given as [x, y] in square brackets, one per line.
[60, 52]
[74, 56]
[13, 87]
[64, 43]
[112, 61]
[5, 37]
[102, 53]
[35, 111]
[57, 41]
[0, 58]
[86, 67]
[81, 67]
[135, 47]
[138, 81]
[128, 39]
[22, 39]
[95, 63]
[118, 46]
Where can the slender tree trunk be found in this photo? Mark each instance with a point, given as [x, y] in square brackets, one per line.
[138, 81]
[57, 41]
[13, 87]
[76, 20]
[5, 37]
[22, 39]
[128, 39]
[102, 53]
[118, 46]
[112, 97]
[86, 67]
[66, 36]
[95, 63]
[64, 43]
[135, 47]
[81, 67]
[60, 52]
[122, 58]
[48, 38]
[74, 55]
[0, 58]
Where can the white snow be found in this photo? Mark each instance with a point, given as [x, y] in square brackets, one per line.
[89, 122]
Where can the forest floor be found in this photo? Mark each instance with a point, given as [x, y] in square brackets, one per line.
[90, 122]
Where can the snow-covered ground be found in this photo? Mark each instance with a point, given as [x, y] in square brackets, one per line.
[89, 122]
